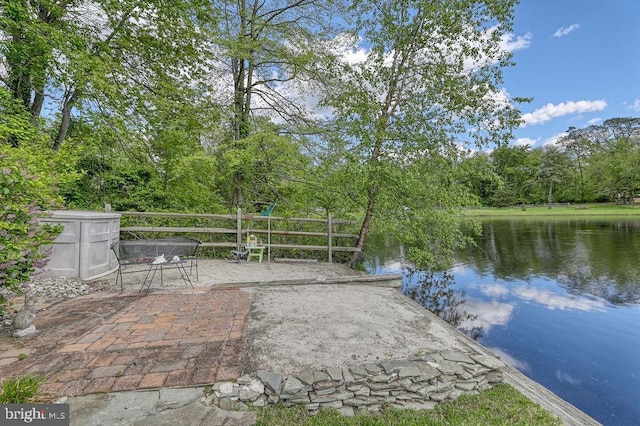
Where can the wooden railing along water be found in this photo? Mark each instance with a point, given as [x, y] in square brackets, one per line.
[283, 235]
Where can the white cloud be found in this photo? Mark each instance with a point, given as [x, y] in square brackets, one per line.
[562, 31]
[557, 301]
[636, 105]
[510, 43]
[551, 111]
[487, 314]
[495, 290]
[553, 140]
[520, 365]
[525, 142]
[594, 121]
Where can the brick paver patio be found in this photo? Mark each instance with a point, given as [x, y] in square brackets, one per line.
[119, 342]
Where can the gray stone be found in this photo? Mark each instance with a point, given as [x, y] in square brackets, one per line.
[262, 401]
[382, 378]
[488, 361]
[440, 396]
[244, 380]
[333, 404]
[407, 396]
[449, 368]
[226, 390]
[346, 375]
[272, 381]
[475, 369]
[358, 372]
[409, 371]
[248, 395]
[380, 393]
[466, 385]
[25, 332]
[346, 411]
[292, 386]
[229, 405]
[320, 376]
[385, 386]
[312, 406]
[25, 316]
[373, 368]
[428, 372]
[170, 399]
[359, 401]
[306, 377]
[393, 366]
[326, 384]
[327, 391]
[456, 356]
[256, 386]
[363, 391]
[495, 376]
[334, 373]
[322, 398]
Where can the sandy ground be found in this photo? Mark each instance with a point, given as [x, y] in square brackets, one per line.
[297, 328]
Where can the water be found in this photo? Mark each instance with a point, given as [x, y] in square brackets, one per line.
[560, 301]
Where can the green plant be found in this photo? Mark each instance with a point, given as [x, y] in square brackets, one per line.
[22, 356]
[21, 390]
[25, 195]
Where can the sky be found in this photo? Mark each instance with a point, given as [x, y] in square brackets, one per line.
[580, 62]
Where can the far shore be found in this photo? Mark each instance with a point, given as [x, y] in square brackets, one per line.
[604, 210]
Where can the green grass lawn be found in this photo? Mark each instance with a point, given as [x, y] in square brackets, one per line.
[602, 210]
[501, 405]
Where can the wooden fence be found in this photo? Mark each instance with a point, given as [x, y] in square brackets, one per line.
[284, 235]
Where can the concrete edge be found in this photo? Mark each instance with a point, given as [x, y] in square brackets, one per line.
[382, 280]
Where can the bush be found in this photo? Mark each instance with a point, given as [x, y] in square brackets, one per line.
[25, 195]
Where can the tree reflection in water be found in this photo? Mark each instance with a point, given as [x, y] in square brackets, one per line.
[436, 293]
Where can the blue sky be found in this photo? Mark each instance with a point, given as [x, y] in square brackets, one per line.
[579, 60]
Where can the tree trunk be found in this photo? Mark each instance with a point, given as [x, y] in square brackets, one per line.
[372, 194]
[550, 197]
[69, 102]
[36, 106]
[366, 224]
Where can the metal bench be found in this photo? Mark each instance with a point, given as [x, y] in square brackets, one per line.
[152, 254]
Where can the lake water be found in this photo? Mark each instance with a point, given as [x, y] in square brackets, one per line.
[560, 301]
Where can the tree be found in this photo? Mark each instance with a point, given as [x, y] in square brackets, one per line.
[579, 148]
[271, 53]
[553, 170]
[106, 60]
[514, 165]
[428, 84]
[29, 176]
[614, 149]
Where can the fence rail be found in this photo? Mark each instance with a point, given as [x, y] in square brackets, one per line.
[230, 231]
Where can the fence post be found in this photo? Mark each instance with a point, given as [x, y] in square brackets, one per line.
[330, 237]
[239, 229]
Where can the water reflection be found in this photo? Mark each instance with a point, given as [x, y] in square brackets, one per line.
[587, 257]
[557, 299]
[436, 293]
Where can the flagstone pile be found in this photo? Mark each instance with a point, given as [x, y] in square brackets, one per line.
[419, 383]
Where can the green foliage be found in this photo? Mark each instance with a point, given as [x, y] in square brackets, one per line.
[27, 189]
[21, 390]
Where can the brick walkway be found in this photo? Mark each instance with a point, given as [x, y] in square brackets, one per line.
[120, 342]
